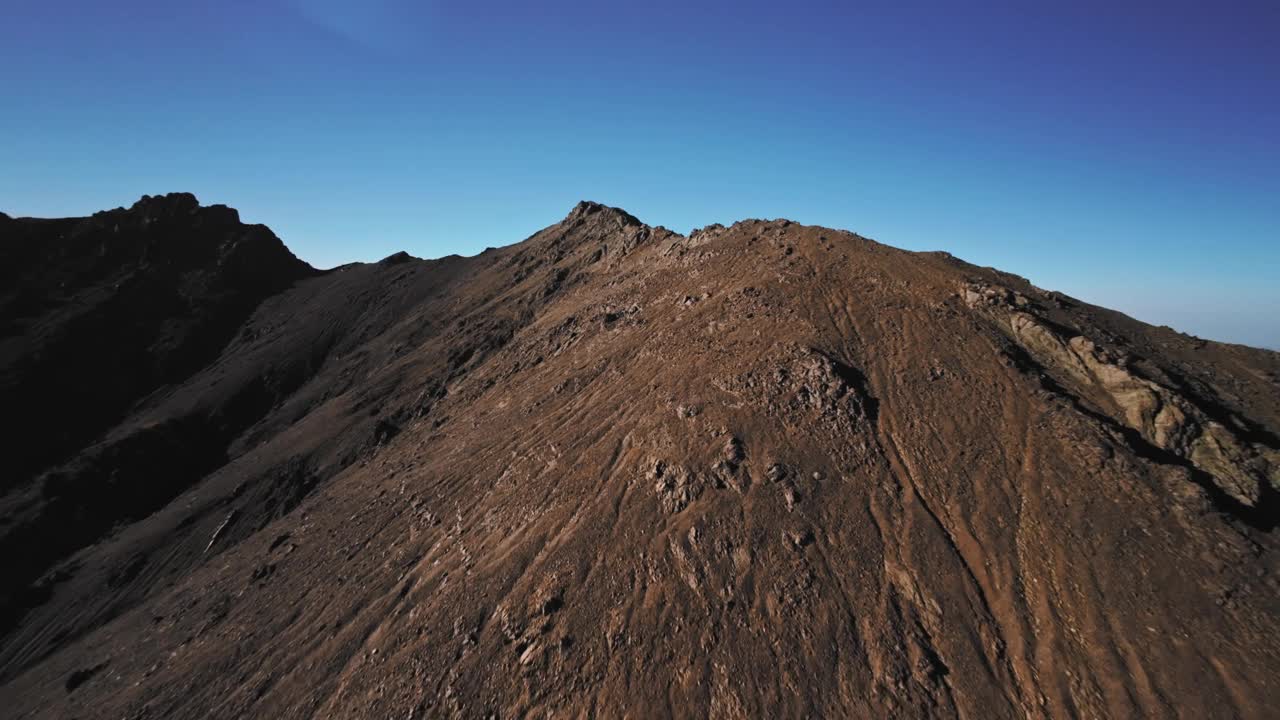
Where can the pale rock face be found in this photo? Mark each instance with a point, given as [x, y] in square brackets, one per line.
[1218, 453]
[1160, 414]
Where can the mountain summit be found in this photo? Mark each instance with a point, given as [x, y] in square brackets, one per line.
[759, 470]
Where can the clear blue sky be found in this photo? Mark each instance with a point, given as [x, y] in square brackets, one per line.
[1129, 156]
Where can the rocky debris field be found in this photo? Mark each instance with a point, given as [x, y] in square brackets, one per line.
[764, 470]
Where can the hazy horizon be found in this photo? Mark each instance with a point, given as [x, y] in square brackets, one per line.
[1127, 157]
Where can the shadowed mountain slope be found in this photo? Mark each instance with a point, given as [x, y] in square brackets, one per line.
[762, 470]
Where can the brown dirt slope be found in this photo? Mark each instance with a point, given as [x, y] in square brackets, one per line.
[764, 470]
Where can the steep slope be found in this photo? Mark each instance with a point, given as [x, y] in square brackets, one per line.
[143, 297]
[325, 361]
[97, 314]
[764, 470]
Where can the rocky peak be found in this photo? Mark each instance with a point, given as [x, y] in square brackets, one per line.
[168, 204]
[174, 229]
[588, 211]
[397, 258]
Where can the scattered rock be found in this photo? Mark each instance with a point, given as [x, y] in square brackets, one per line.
[530, 654]
[798, 538]
[80, 677]
[734, 451]
[776, 472]
[675, 486]
[791, 496]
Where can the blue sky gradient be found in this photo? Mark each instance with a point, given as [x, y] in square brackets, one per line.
[1124, 153]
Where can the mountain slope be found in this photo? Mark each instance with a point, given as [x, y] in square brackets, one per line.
[768, 469]
[143, 296]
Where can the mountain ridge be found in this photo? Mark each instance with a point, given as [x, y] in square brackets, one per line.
[767, 468]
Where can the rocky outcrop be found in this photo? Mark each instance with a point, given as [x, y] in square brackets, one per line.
[1168, 419]
[102, 311]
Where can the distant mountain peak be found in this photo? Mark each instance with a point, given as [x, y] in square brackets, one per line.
[168, 203]
[396, 258]
[589, 209]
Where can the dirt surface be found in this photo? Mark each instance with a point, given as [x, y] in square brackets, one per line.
[768, 470]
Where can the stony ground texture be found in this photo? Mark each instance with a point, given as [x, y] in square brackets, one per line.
[767, 470]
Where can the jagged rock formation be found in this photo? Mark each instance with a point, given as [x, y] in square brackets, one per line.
[142, 297]
[98, 314]
[759, 470]
[1247, 471]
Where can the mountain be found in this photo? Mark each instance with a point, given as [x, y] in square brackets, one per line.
[96, 315]
[611, 470]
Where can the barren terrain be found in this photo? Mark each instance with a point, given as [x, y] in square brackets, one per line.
[766, 470]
